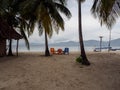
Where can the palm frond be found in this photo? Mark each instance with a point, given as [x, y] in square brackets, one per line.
[63, 2]
[106, 11]
[56, 16]
[40, 28]
[25, 38]
[63, 9]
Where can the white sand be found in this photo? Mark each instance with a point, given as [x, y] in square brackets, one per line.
[33, 71]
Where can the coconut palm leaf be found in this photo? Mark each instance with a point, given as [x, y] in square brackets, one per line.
[63, 10]
[25, 38]
[106, 11]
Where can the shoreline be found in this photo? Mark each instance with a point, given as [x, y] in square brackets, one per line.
[71, 52]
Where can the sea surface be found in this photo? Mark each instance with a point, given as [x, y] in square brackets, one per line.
[41, 48]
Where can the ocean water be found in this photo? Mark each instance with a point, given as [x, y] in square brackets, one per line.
[41, 48]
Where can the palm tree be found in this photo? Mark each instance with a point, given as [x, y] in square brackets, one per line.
[47, 53]
[107, 11]
[57, 21]
[46, 15]
[8, 16]
[9, 11]
[83, 54]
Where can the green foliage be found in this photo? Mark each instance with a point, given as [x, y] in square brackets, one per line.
[24, 15]
[9, 10]
[107, 11]
[79, 59]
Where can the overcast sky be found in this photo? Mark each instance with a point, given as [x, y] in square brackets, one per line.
[91, 26]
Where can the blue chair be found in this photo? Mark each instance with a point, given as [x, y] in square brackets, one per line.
[66, 51]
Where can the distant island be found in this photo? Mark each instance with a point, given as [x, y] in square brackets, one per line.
[88, 43]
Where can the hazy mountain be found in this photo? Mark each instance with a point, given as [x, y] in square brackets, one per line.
[115, 42]
[69, 43]
[92, 43]
[73, 43]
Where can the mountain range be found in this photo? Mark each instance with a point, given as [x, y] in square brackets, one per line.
[115, 42]
[90, 43]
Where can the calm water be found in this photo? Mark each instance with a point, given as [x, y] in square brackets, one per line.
[41, 48]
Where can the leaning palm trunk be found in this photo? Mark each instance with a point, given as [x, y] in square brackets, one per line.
[47, 53]
[83, 54]
[10, 48]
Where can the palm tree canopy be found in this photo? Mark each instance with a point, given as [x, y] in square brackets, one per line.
[46, 13]
[9, 10]
[107, 11]
[24, 14]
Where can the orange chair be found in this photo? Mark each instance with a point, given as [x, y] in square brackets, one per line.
[52, 51]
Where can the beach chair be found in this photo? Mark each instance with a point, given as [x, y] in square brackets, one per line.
[60, 51]
[52, 51]
[66, 51]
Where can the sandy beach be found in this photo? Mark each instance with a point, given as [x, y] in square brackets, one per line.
[34, 71]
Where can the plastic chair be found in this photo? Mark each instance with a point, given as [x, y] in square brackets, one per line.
[52, 50]
[66, 51]
[60, 51]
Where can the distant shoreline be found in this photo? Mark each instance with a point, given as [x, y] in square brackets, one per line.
[42, 48]
[71, 52]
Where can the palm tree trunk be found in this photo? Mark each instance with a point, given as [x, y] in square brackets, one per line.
[10, 48]
[47, 53]
[17, 47]
[83, 54]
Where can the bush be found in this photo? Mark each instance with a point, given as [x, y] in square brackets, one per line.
[79, 59]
